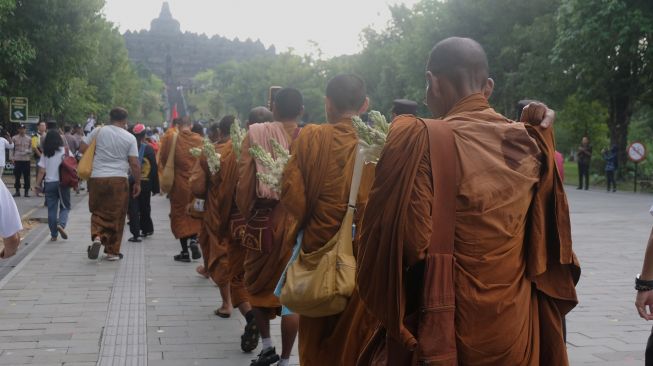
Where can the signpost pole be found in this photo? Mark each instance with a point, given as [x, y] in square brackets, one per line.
[635, 187]
[636, 153]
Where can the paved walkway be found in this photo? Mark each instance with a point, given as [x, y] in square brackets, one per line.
[59, 308]
[610, 231]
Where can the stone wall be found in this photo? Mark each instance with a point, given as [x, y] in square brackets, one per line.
[176, 58]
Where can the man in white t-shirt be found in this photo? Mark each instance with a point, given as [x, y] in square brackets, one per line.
[5, 144]
[10, 225]
[115, 154]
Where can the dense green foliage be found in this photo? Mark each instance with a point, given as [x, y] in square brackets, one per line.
[590, 60]
[69, 61]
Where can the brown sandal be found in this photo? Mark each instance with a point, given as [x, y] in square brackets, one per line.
[221, 314]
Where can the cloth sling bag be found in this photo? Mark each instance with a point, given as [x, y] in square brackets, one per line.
[320, 283]
[168, 176]
[433, 323]
[68, 170]
[85, 166]
[256, 233]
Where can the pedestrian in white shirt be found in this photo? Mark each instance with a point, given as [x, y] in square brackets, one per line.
[5, 144]
[10, 225]
[116, 153]
[57, 197]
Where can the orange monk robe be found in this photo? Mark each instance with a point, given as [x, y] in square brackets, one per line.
[214, 245]
[227, 181]
[181, 223]
[515, 272]
[263, 270]
[237, 255]
[316, 187]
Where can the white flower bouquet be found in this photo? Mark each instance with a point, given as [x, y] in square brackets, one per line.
[274, 163]
[212, 156]
[372, 138]
[237, 137]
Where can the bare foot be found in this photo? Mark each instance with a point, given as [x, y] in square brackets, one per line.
[201, 271]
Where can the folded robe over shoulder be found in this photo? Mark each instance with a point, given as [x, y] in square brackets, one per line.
[516, 271]
[315, 191]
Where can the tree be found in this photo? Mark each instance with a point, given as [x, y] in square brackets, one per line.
[604, 47]
[577, 119]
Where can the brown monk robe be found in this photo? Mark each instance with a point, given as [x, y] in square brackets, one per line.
[212, 238]
[183, 226]
[263, 269]
[228, 179]
[515, 271]
[316, 187]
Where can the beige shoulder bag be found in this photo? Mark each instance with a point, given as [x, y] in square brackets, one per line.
[321, 282]
[168, 176]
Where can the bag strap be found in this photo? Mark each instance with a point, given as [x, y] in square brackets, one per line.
[356, 176]
[173, 147]
[141, 153]
[445, 185]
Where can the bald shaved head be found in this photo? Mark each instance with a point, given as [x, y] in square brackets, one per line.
[460, 60]
[457, 67]
[259, 115]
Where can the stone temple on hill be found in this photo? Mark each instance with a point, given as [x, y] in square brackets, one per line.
[176, 56]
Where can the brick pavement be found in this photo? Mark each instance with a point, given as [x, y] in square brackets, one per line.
[610, 231]
[59, 308]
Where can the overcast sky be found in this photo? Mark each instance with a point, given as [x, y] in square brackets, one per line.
[334, 24]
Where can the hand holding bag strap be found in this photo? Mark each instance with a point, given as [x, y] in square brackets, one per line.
[436, 329]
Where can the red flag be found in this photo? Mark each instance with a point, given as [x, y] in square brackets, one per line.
[175, 114]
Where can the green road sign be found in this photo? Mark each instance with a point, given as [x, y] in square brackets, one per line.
[18, 109]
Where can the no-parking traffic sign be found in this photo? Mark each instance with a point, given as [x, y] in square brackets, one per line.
[636, 152]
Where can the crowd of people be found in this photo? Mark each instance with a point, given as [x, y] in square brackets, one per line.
[454, 247]
[418, 288]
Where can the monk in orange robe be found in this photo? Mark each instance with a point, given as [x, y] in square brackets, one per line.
[316, 188]
[213, 240]
[219, 248]
[184, 227]
[514, 273]
[266, 261]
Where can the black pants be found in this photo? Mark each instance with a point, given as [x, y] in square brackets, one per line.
[140, 219]
[609, 175]
[583, 175]
[22, 168]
